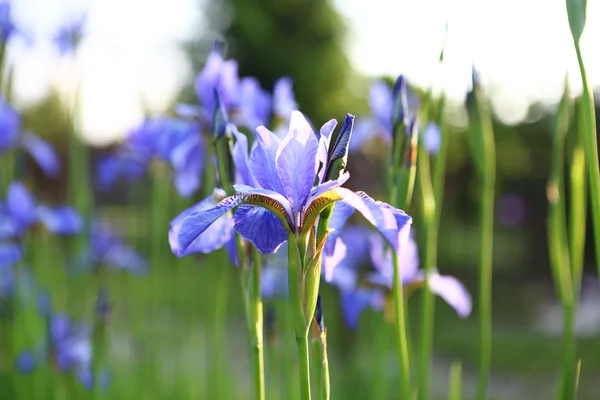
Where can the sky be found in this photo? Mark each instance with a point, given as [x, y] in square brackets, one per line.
[522, 49]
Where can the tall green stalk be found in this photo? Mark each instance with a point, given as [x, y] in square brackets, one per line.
[400, 196]
[559, 245]
[576, 10]
[256, 326]
[481, 137]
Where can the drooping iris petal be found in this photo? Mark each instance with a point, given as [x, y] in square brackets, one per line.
[452, 291]
[394, 224]
[10, 254]
[187, 161]
[197, 222]
[261, 227]
[432, 137]
[273, 201]
[214, 237]
[297, 162]
[354, 302]
[20, 205]
[10, 125]
[262, 160]
[332, 260]
[231, 249]
[284, 101]
[43, 154]
[381, 103]
[61, 220]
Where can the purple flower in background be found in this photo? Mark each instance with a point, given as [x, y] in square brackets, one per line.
[11, 138]
[7, 28]
[432, 138]
[284, 101]
[221, 232]
[365, 247]
[10, 254]
[120, 165]
[108, 249]
[284, 199]
[26, 362]
[68, 36]
[19, 212]
[175, 141]
[388, 107]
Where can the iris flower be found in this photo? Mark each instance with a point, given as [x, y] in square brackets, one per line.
[7, 27]
[387, 105]
[360, 289]
[284, 199]
[175, 141]
[11, 138]
[120, 165]
[19, 212]
[68, 36]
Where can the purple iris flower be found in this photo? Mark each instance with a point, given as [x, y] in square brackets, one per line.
[243, 99]
[68, 36]
[121, 165]
[221, 232]
[11, 138]
[387, 106]
[10, 254]
[175, 141]
[365, 247]
[26, 362]
[284, 199]
[432, 138]
[19, 212]
[108, 249]
[284, 101]
[7, 28]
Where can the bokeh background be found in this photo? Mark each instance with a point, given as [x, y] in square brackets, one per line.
[139, 58]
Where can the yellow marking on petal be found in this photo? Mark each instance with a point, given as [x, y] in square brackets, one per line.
[318, 205]
[272, 205]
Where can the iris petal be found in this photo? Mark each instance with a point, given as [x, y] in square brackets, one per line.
[297, 162]
[10, 254]
[353, 304]
[60, 220]
[212, 238]
[20, 205]
[452, 291]
[197, 222]
[283, 98]
[332, 260]
[381, 103]
[239, 153]
[268, 199]
[262, 160]
[393, 223]
[43, 154]
[364, 130]
[325, 138]
[261, 227]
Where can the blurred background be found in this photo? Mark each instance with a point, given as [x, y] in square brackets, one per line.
[139, 58]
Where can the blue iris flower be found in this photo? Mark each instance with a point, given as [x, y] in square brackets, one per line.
[220, 234]
[243, 99]
[108, 249]
[7, 27]
[284, 199]
[19, 212]
[366, 248]
[68, 36]
[12, 138]
[175, 141]
[388, 105]
[116, 166]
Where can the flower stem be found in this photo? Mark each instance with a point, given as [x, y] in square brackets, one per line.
[304, 370]
[256, 327]
[296, 290]
[401, 336]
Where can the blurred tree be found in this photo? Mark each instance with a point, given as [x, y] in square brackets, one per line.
[302, 39]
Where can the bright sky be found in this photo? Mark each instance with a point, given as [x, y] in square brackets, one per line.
[522, 49]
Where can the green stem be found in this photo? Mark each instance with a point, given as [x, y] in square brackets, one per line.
[401, 336]
[325, 382]
[428, 305]
[304, 369]
[296, 290]
[454, 392]
[587, 121]
[316, 359]
[256, 323]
